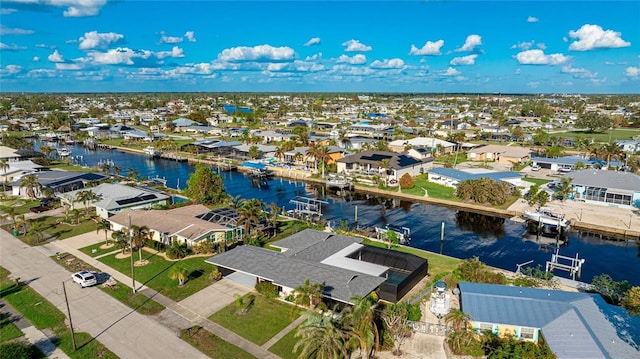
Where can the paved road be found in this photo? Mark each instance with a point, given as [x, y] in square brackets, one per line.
[126, 333]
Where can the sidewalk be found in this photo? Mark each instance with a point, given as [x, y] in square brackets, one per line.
[32, 334]
[204, 302]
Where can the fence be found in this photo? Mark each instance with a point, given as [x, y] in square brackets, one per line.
[430, 328]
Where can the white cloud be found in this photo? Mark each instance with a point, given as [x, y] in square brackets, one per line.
[257, 53]
[190, 35]
[357, 59]
[94, 39]
[579, 72]
[464, 60]
[175, 53]
[312, 41]
[538, 57]
[470, 43]
[55, 57]
[451, 72]
[633, 72]
[36, 59]
[592, 37]
[355, 45]
[14, 31]
[541, 46]
[314, 57]
[10, 70]
[45, 46]
[119, 56]
[79, 8]
[12, 47]
[41, 73]
[7, 11]
[170, 39]
[429, 48]
[69, 66]
[532, 19]
[395, 63]
[524, 45]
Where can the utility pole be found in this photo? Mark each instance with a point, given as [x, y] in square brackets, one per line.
[66, 300]
[133, 278]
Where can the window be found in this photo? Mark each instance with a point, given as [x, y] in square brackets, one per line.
[527, 333]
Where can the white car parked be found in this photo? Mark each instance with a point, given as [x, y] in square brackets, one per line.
[84, 278]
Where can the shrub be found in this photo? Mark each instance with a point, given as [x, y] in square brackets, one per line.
[267, 289]
[204, 247]
[178, 251]
[413, 312]
[406, 181]
[18, 350]
[150, 243]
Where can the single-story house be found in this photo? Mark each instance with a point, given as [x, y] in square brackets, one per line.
[58, 181]
[608, 188]
[573, 324]
[500, 154]
[630, 146]
[182, 123]
[343, 266]
[565, 162]
[9, 154]
[113, 198]
[180, 225]
[450, 177]
[393, 165]
[18, 169]
[430, 143]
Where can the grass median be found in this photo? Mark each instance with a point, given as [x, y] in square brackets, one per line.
[212, 345]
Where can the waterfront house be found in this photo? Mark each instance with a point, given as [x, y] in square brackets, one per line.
[178, 225]
[630, 146]
[9, 154]
[565, 163]
[450, 177]
[387, 164]
[434, 145]
[18, 169]
[113, 198]
[608, 188]
[343, 266]
[58, 181]
[573, 324]
[500, 154]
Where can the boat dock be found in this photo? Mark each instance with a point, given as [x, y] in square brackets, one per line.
[172, 157]
[307, 206]
[568, 264]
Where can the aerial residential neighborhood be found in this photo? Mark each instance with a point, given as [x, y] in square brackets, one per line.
[319, 179]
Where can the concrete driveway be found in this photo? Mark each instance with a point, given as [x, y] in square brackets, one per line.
[125, 332]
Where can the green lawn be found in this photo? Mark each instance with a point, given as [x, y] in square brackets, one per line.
[44, 315]
[8, 330]
[156, 273]
[94, 250]
[266, 318]
[433, 189]
[538, 181]
[212, 345]
[69, 167]
[21, 205]
[52, 226]
[437, 263]
[284, 347]
[603, 136]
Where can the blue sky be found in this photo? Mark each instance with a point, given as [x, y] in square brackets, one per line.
[327, 46]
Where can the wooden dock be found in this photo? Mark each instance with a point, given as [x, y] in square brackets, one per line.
[172, 157]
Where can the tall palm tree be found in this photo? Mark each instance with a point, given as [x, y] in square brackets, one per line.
[179, 272]
[140, 234]
[4, 166]
[363, 321]
[323, 336]
[105, 226]
[36, 231]
[86, 197]
[274, 210]
[457, 319]
[121, 238]
[565, 188]
[312, 151]
[308, 295]
[132, 174]
[249, 215]
[322, 155]
[31, 185]
[279, 154]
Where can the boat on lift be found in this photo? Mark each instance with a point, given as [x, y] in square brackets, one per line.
[546, 216]
[152, 152]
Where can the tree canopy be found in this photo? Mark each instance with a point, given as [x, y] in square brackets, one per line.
[205, 186]
[593, 121]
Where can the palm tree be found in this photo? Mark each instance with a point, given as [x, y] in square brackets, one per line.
[363, 319]
[31, 185]
[457, 319]
[21, 223]
[35, 232]
[322, 155]
[274, 210]
[75, 213]
[140, 234]
[309, 295]
[279, 154]
[105, 168]
[565, 188]
[312, 151]
[121, 239]
[12, 212]
[298, 157]
[179, 272]
[86, 197]
[323, 336]
[249, 215]
[105, 226]
[235, 202]
[4, 166]
[132, 174]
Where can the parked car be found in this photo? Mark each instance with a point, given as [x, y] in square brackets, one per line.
[535, 168]
[84, 278]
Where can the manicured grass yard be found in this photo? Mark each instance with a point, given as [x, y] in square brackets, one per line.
[89, 250]
[434, 190]
[284, 347]
[21, 205]
[52, 226]
[437, 263]
[539, 181]
[265, 319]
[8, 330]
[44, 315]
[156, 273]
[603, 136]
[212, 345]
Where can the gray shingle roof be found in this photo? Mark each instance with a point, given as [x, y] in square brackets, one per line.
[575, 325]
[625, 181]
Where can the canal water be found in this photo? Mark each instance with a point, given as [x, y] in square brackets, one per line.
[495, 241]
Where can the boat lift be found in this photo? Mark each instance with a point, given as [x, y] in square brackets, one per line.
[308, 206]
[571, 265]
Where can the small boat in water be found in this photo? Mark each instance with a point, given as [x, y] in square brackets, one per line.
[152, 152]
[63, 152]
[546, 216]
